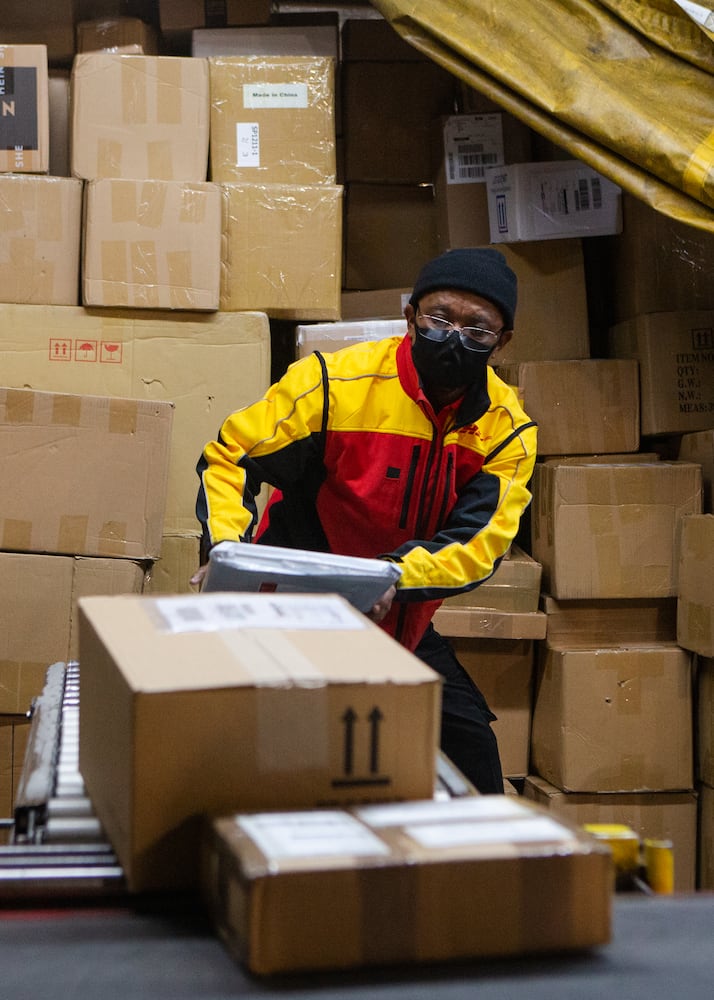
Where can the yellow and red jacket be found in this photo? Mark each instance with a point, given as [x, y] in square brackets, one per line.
[363, 466]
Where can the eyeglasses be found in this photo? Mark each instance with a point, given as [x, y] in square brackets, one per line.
[474, 338]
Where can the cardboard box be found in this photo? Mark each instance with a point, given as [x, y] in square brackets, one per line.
[545, 201]
[580, 406]
[705, 840]
[378, 303]
[515, 586]
[611, 531]
[464, 145]
[178, 18]
[613, 719]
[151, 244]
[502, 669]
[179, 560]
[282, 250]
[334, 336]
[369, 38]
[45, 589]
[273, 119]
[117, 34]
[484, 876]
[705, 719]
[24, 124]
[58, 89]
[266, 701]
[271, 40]
[139, 117]
[604, 623]
[83, 475]
[652, 815]
[695, 595]
[659, 264]
[675, 351]
[35, 22]
[390, 232]
[699, 447]
[487, 623]
[40, 226]
[387, 113]
[207, 364]
[14, 730]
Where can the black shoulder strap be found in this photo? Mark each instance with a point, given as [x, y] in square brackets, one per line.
[325, 400]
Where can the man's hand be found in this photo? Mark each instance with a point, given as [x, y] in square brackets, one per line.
[197, 578]
[380, 608]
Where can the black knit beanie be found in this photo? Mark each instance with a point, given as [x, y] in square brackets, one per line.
[480, 270]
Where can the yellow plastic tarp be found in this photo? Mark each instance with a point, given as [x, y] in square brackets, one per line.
[627, 86]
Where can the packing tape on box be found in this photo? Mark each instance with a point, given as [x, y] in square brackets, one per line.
[19, 406]
[109, 157]
[72, 533]
[67, 410]
[112, 538]
[16, 535]
[133, 90]
[123, 416]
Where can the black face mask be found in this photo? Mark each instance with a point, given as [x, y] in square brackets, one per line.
[447, 364]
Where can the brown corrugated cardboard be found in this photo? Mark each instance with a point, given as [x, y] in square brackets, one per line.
[695, 593]
[610, 623]
[40, 227]
[139, 117]
[83, 475]
[581, 407]
[488, 623]
[28, 22]
[515, 586]
[271, 40]
[659, 264]
[388, 108]
[272, 119]
[179, 17]
[705, 719]
[378, 303]
[14, 730]
[463, 146]
[425, 881]
[282, 250]
[39, 596]
[611, 530]
[151, 244]
[177, 563]
[265, 701]
[653, 815]
[117, 34]
[369, 38]
[502, 669]
[390, 232]
[207, 364]
[675, 351]
[334, 336]
[546, 201]
[699, 448]
[613, 719]
[58, 85]
[24, 124]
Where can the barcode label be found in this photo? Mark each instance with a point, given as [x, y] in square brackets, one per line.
[470, 162]
[471, 144]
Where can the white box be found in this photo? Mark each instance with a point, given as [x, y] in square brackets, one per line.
[547, 201]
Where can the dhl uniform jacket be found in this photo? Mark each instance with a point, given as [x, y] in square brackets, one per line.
[363, 466]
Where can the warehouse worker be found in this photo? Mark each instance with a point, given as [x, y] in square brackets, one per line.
[409, 449]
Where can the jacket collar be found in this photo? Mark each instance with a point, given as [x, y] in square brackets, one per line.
[470, 408]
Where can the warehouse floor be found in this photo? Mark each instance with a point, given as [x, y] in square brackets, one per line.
[660, 948]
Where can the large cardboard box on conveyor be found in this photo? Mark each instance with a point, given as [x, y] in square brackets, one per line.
[210, 703]
[695, 593]
[273, 119]
[611, 530]
[40, 228]
[151, 244]
[653, 815]
[282, 250]
[139, 117]
[45, 589]
[480, 876]
[206, 364]
[83, 475]
[614, 718]
[580, 406]
[24, 123]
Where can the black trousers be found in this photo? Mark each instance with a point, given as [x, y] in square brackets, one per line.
[466, 735]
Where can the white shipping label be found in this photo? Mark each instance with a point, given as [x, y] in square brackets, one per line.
[247, 144]
[310, 834]
[214, 612]
[472, 143]
[541, 830]
[275, 95]
[473, 808]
